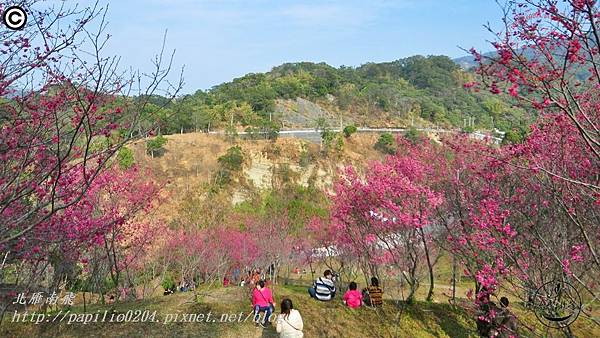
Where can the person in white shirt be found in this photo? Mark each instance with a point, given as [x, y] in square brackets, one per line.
[289, 322]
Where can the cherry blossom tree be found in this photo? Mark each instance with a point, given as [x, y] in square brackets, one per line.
[60, 122]
[547, 58]
[66, 109]
[385, 217]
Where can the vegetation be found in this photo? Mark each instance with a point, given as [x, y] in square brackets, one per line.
[429, 88]
[468, 129]
[514, 136]
[386, 143]
[168, 283]
[229, 163]
[155, 145]
[413, 135]
[321, 319]
[125, 158]
[510, 218]
[349, 130]
[264, 129]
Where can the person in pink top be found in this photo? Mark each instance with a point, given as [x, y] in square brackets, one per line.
[262, 301]
[352, 297]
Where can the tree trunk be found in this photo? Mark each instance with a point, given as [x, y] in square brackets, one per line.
[412, 281]
[453, 279]
[412, 284]
[429, 266]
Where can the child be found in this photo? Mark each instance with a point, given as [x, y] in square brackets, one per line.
[352, 297]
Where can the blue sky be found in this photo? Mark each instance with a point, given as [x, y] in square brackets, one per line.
[219, 40]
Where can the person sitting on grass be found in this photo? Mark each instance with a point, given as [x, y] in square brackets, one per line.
[323, 288]
[289, 322]
[262, 301]
[505, 322]
[352, 297]
[255, 277]
[183, 287]
[373, 295]
[485, 313]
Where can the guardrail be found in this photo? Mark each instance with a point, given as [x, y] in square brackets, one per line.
[477, 135]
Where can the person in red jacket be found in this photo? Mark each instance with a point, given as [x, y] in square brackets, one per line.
[262, 301]
[352, 297]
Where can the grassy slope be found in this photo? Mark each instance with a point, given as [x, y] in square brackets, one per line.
[321, 319]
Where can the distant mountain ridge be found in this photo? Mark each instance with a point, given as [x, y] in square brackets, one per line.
[414, 91]
[468, 62]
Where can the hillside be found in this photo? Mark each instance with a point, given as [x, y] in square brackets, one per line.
[418, 91]
[190, 162]
[320, 319]
[229, 308]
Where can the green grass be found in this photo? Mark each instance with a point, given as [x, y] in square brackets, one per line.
[331, 319]
[321, 319]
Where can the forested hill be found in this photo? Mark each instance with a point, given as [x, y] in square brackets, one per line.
[416, 90]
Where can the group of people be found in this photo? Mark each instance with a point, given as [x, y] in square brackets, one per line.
[289, 323]
[251, 278]
[184, 286]
[248, 276]
[323, 289]
[494, 320]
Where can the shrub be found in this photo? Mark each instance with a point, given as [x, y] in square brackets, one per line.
[156, 145]
[349, 130]
[125, 158]
[252, 133]
[339, 145]
[230, 162]
[515, 136]
[305, 159]
[233, 159]
[306, 156]
[231, 134]
[263, 129]
[468, 129]
[328, 136]
[168, 282]
[413, 135]
[386, 144]
[269, 129]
